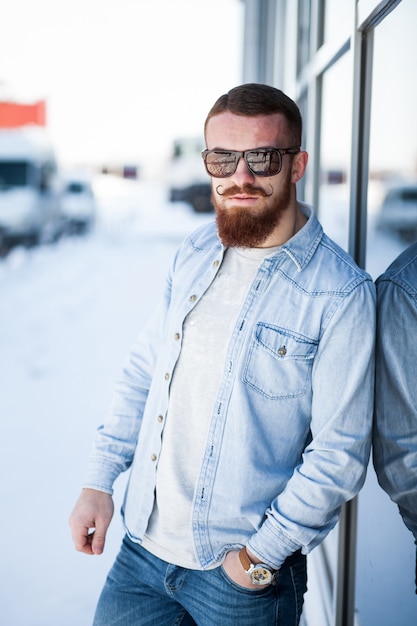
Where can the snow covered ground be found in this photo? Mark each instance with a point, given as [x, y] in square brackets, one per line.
[68, 315]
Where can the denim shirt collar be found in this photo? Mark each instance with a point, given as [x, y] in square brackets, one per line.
[301, 247]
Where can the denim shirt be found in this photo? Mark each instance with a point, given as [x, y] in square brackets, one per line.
[290, 432]
[395, 431]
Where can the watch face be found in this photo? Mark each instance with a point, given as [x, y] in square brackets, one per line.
[261, 575]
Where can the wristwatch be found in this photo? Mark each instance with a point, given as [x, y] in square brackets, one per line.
[259, 573]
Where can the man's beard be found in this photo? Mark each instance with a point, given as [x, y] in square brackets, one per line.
[249, 228]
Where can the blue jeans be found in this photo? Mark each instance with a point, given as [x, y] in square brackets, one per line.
[142, 590]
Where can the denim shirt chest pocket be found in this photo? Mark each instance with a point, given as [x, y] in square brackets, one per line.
[279, 362]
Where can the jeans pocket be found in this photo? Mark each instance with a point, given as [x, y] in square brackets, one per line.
[240, 588]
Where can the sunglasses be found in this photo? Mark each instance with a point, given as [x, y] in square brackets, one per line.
[261, 161]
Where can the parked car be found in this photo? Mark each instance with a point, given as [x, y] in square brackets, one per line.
[398, 211]
[78, 204]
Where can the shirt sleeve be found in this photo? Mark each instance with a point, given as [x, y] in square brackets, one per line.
[395, 426]
[115, 441]
[335, 460]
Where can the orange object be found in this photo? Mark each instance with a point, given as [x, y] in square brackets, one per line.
[16, 115]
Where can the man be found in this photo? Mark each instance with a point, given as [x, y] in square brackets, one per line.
[395, 430]
[245, 409]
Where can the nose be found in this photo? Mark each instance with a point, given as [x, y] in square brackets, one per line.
[243, 173]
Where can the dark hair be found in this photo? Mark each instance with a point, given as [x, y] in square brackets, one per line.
[254, 99]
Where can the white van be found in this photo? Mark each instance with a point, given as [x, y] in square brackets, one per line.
[187, 177]
[29, 187]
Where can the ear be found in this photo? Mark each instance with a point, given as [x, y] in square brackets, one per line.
[299, 165]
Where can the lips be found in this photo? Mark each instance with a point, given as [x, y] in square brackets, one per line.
[240, 197]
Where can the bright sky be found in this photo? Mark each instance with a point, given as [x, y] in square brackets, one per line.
[121, 78]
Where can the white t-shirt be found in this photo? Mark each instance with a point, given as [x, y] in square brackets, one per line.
[193, 391]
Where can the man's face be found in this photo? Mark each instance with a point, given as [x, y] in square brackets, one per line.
[248, 207]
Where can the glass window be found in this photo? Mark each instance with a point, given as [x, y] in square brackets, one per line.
[304, 33]
[338, 19]
[336, 124]
[392, 203]
[392, 225]
[13, 174]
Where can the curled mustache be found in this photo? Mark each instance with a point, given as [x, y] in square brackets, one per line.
[247, 189]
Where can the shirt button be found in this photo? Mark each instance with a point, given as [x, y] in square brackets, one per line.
[154, 457]
[177, 336]
[167, 376]
[193, 298]
[282, 351]
[160, 418]
[216, 263]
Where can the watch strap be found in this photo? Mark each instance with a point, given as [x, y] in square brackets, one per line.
[244, 559]
[247, 563]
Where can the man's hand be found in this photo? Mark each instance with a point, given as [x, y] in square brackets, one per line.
[90, 520]
[234, 569]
